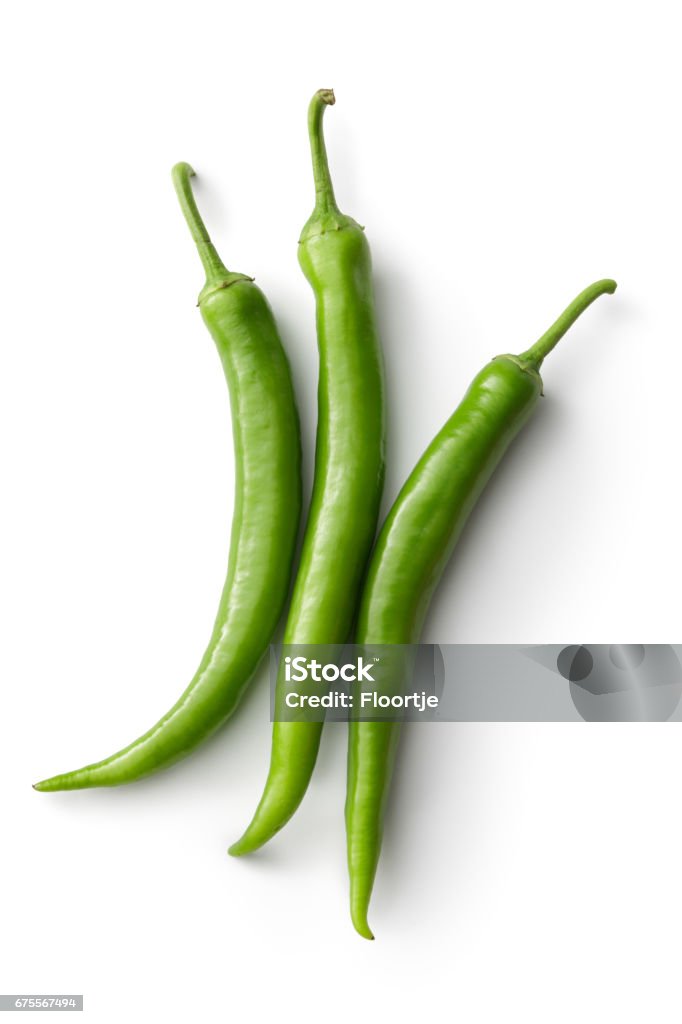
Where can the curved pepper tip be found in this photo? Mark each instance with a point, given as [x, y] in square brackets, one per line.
[237, 849]
[362, 927]
[49, 785]
[54, 784]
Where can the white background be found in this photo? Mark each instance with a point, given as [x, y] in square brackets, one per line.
[501, 156]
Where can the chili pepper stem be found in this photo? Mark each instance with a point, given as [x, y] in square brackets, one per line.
[326, 215]
[536, 354]
[212, 263]
[325, 201]
[217, 274]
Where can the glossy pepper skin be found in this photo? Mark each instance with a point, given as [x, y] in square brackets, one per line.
[349, 469]
[413, 548]
[264, 526]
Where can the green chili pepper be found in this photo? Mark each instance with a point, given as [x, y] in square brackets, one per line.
[265, 521]
[412, 550]
[349, 469]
